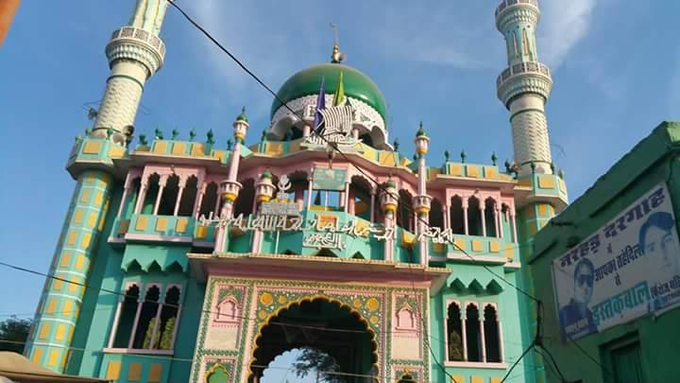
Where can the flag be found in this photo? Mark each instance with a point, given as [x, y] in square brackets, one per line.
[339, 98]
[320, 104]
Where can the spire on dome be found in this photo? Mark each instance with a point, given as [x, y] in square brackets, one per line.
[337, 57]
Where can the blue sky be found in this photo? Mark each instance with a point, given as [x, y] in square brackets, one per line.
[615, 63]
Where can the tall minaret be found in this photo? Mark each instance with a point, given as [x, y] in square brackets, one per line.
[525, 85]
[135, 53]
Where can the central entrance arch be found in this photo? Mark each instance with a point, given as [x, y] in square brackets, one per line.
[323, 324]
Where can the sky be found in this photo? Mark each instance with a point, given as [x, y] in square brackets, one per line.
[615, 66]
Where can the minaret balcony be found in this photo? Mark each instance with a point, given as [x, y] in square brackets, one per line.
[421, 203]
[230, 189]
[524, 77]
[136, 44]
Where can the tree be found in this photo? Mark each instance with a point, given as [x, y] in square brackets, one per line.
[14, 330]
[311, 359]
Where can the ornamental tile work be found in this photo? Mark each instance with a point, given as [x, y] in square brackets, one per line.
[245, 306]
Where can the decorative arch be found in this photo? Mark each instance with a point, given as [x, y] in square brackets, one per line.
[405, 319]
[436, 214]
[217, 374]
[405, 210]
[492, 336]
[266, 322]
[457, 215]
[490, 217]
[473, 333]
[474, 216]
[227, 310]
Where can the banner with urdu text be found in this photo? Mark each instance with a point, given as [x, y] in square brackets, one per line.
[626, 269]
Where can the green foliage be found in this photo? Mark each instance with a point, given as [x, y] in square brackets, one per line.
[149, 334]
[314, 360]
[455, 346]
[166, 339]
[13, 330]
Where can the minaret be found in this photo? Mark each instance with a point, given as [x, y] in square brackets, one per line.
[135, 52]
[422, 201]
[525, 85]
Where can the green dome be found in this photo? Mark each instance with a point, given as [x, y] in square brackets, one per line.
[307, 82]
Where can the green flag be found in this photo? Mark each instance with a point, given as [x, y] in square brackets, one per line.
[339, 98]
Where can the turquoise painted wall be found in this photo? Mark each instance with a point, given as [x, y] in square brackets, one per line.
[653, 160]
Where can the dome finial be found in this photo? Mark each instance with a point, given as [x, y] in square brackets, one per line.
[336, 57]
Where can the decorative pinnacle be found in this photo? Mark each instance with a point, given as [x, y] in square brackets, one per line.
[508, 166]
[242, 116]
[230, 143]
[264, 135]
[421, 131]
[463, 156]
[158, 134]
[174, 134]
[494, 158]
[192, 134]
[447, 155]
[210, 137]
[267, 174]
[337, 57]
[142, 140]
[396, 144]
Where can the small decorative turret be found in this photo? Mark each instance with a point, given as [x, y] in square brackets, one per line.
[422, 141]
[264, 189]
[388, 198]
[241, 126]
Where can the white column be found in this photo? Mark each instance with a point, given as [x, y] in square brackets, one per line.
[499, 223]
[156, 324]
[143, 188]
[306, 130]
[116, 319]
[161, 186]
[514, 228]
[500, 340]
[126, 188]
[465, 217]
[482, 215]
[182, 185]
[481, 335]
[309, 189]
[134, 326]
[199, 200]
[447, 217]
[464, 333]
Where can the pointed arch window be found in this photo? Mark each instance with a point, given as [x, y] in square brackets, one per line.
[149, 323]
[454, 333]
[473, 334]
[492, 344]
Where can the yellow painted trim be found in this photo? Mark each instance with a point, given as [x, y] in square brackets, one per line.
[134, 372]
[141, 223]
[477, 245]
[85, 196]
[61, 331]
[80, 262]
[73, 286]
[490, 172]
[98, 199]
[476, 379]
[201, 232]
[160, 146]
[181, 226]
[124, 226]
[68, 307]
[53, 358]
[37, 355]
[78, 216]
[273, 148]
[161, 224]
[178, 148]
[85, 242]
[92, 220]
[386, 158]
[44, 331]
[56, 284]
[546, 182]
[197, 149]
[155, 372]
[460, 244]
[455, 170]
[472, 171]
[116, 151]
[51, 305]
[113, 370]
[494, 247]
[65, 259]
[92, 147]
[72, 236]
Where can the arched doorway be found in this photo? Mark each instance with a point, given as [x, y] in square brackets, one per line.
[329, 326]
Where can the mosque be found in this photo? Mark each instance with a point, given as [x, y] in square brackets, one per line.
[184, 260]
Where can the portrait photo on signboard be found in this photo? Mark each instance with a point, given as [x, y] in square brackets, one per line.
[627, 269]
